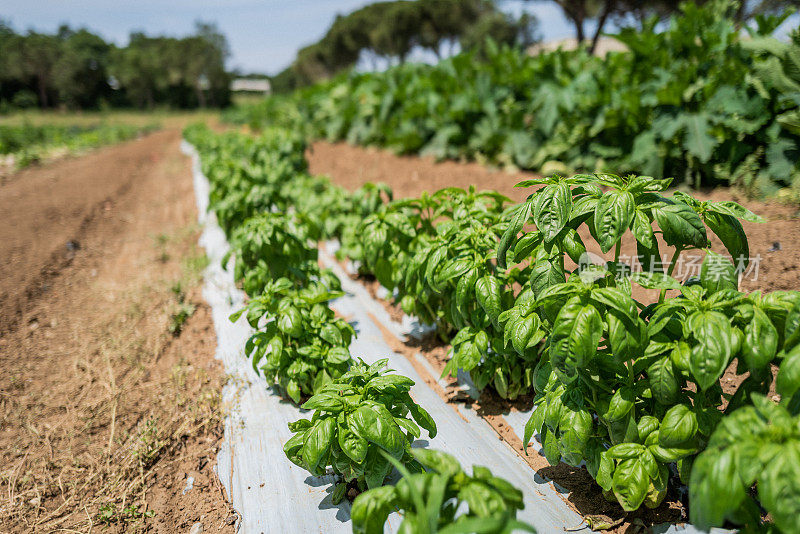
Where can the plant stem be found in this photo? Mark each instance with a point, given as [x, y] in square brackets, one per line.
[672, 263]
[617, 251]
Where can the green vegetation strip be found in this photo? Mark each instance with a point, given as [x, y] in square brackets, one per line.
[32, 143]
[697, 101]
[364, 419]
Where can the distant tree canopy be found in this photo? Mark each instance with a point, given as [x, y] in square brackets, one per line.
[79, 69]
[581, 12]
[393, 29]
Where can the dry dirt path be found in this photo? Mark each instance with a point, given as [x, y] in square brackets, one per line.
[109, 391]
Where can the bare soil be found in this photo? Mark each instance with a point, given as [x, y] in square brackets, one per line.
[110, 410]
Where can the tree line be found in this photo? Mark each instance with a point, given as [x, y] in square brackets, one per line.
[79, 69]
[393, 29]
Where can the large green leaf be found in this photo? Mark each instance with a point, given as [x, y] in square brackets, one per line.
[376, 425]
[551, 209]
[680, 225]
[612, 217]
[712, 352]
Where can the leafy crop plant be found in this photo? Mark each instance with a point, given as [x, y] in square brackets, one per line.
[299, 344]
[365, 411]
[630, 387]
[444, 499]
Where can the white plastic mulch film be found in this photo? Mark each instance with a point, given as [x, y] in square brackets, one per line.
[271, 494]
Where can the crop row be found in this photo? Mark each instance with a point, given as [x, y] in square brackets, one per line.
[364, 419]
[30, 143]
[695, 101]
[629, 388]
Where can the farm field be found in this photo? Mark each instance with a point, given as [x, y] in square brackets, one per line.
[50, 270]
[435, 276]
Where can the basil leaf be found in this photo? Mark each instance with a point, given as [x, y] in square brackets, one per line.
[577, 332]
[680, 225]
[710, 356]
[663, 383]
[732, 235]
[760, 344]
[643, 229]
[787, 383]
[612, 217]
[376, 425]
[510, 235]
[715, 489]
[717, 274]
[678, 427]
[317, 444]
[488, 291]
[551, 209]
[371, 509]
[354, 446]
[630, 484]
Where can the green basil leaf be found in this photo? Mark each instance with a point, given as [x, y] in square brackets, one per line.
[787, 383]
[420, 415]
[630, 484]
[293, 448]
[510, 235]
[612, 217]
[290, 322]
[663, 383]
[325, 401]
[710, 356]
[577, 332]
[573, 245]
[678, 427]
[643, 229]
[760, 344]
[735, 210]
[551, 209]
[317, 444]
[550, 448]
[655, 280]
[625, 451]
[488, 291]
[718, 274]
[715, 489]
[376, 425]
[526, 245]
[680, 225]
[732, 235]
[371, 510]
[779, 487]
[576, 428]
[438, 461]
[354, 446]
[377, 467]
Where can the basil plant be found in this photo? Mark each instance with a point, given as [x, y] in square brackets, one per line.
[356, 416]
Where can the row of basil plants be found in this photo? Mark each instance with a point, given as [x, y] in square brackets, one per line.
[629, 388]
[364, 420]
[626, 387]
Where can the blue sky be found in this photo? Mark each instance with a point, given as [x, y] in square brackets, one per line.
[264, 35]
